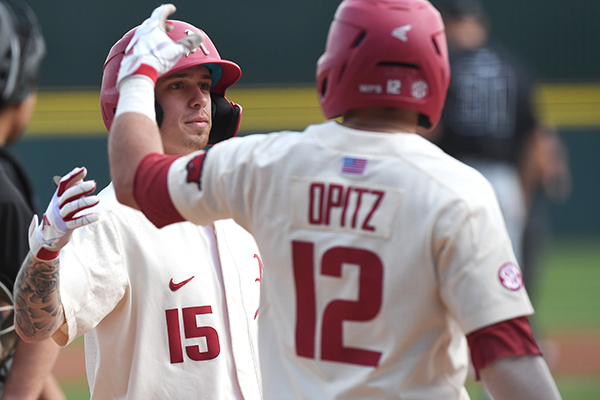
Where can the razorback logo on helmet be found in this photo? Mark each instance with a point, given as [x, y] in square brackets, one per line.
[194, 170]
[510, 276]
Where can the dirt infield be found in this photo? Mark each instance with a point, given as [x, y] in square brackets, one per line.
[566, 355]
[573, 354]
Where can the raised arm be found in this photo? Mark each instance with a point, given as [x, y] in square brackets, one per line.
[132, 136]
[134, 132]
[38, 309]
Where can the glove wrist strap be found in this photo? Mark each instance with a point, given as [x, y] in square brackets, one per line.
[148, 71]
[35, 244]
[47, 255]
[40, 252]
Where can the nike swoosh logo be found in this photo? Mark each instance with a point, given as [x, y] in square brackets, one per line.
[176, 286]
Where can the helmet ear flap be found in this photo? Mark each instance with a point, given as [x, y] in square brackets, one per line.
[226, 116]
[159, 113]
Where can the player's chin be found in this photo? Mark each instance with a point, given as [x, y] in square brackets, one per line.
[197, 141]
[197, 129]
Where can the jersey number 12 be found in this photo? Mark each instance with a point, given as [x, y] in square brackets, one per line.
[365, 308]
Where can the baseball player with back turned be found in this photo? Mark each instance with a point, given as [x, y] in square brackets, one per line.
[167, 313]
[386, 260]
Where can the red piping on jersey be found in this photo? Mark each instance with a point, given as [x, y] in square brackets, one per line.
[504, 339]
[151, 189]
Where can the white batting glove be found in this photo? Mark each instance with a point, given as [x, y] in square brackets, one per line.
[151, 52]
[61, 217]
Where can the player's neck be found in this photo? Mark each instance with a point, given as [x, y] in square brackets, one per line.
[382, 120]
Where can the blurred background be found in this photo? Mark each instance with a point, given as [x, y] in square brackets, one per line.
[277, 43]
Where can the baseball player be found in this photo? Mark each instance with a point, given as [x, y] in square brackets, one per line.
[166, 314]
[386, 260]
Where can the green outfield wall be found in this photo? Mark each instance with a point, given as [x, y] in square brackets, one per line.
[279, 41]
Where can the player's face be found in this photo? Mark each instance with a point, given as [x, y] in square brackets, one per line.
[185, 100]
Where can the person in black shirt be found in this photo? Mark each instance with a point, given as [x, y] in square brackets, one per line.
[25, 368]
[489, 123]
[488, 114]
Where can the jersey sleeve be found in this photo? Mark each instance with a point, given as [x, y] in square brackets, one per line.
[151, 190]
[504, 339]
[480, 281]
[218, 184]
[201, 187]
[92, 278]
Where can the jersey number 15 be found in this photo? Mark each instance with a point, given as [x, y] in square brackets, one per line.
[191, 330]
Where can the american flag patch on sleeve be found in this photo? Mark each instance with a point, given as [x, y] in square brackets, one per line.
[353, 165]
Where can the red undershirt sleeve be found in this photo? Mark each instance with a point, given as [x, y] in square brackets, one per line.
[151, 190]
[507, 338]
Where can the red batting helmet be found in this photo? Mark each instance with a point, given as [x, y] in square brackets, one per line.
[385, 54]
[224, 73]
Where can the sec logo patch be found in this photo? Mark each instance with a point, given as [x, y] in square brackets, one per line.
[510, 277]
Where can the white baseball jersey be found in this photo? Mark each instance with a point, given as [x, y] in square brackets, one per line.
[380, 251]
[167, 313]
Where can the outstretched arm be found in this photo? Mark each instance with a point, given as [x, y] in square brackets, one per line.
[38, 309]
[520, 377]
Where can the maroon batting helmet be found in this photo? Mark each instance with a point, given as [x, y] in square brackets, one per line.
[385, 54]
[226, 115]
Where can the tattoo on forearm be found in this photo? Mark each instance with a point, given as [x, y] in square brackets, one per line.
[37, 303]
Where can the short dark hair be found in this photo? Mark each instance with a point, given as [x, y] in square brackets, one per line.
[457, 9]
